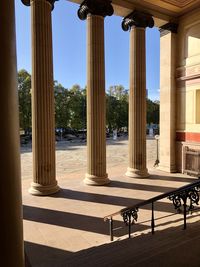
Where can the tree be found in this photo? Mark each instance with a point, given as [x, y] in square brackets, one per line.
[77, 106]
[117, 107]
[62, 112]
[70, 106]
[24, 92]
[152, 112]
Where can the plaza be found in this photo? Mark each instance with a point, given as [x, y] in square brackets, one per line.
[71, 156]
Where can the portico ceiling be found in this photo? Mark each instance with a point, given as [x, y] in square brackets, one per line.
[162, 10]
[168, 7]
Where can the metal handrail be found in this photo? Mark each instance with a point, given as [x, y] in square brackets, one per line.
[177, 196]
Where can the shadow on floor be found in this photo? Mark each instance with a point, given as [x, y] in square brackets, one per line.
[65, 219]
[40, 255]
[166, 248]
[172, 247]
[142, 187]
[173, 178]
[89, 223]
[110, 200]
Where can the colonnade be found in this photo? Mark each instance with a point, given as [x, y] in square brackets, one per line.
[44, 180]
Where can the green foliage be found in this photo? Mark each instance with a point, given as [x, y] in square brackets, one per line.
[62, 99]
[24, 93]
[153, 112]
[117, 107]
[77, 107]
[70, 106]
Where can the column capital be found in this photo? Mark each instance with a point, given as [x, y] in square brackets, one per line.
[99, 7]
[137, 19]
[168, 27]
[28, 2]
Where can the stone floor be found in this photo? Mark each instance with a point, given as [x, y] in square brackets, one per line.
[59, 227]
[71, 156]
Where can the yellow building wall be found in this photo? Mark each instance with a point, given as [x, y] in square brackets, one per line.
[187, 86]
[188, 73]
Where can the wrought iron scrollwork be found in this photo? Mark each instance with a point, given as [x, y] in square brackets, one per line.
[130, 216]
[182, 198]
[176, 201]
[194, 197]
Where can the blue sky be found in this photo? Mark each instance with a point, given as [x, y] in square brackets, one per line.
[69, 48]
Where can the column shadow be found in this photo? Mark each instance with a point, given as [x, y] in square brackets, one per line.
[66, 219]
[110, 200]
[142, 187]
[41, 255]
[173, 178]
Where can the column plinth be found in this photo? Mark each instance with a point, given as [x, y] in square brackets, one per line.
[96, 106]
[137, 173]
[43, 121]
[96, 180]
[43, 190]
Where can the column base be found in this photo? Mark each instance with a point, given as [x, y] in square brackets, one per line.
[135, 173]
[169, 169]
[43, 190]
[96, 180]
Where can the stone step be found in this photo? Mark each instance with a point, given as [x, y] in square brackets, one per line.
[144, 250]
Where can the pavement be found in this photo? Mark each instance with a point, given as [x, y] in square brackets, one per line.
[71, 156]
[67, 227]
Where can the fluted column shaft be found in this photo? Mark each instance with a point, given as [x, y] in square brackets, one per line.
[11, 232]
[43, 121]
[96, 121]
[137, 104]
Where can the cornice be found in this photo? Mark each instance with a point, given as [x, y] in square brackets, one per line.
[169, 27]
[137, 19]
[98, 7]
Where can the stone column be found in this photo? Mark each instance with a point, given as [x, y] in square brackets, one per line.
[43, 118]
[96, 118]
[11, 231]
[137, 22]
[167, 97]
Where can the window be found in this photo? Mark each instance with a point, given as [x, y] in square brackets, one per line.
[197, 106]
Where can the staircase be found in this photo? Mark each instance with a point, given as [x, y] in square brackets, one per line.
[167, 248]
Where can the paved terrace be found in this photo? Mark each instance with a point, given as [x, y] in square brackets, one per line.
[63, 229]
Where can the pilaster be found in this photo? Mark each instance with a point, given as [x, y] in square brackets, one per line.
[167, 97]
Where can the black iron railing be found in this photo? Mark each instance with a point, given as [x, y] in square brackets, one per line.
[182, 198]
